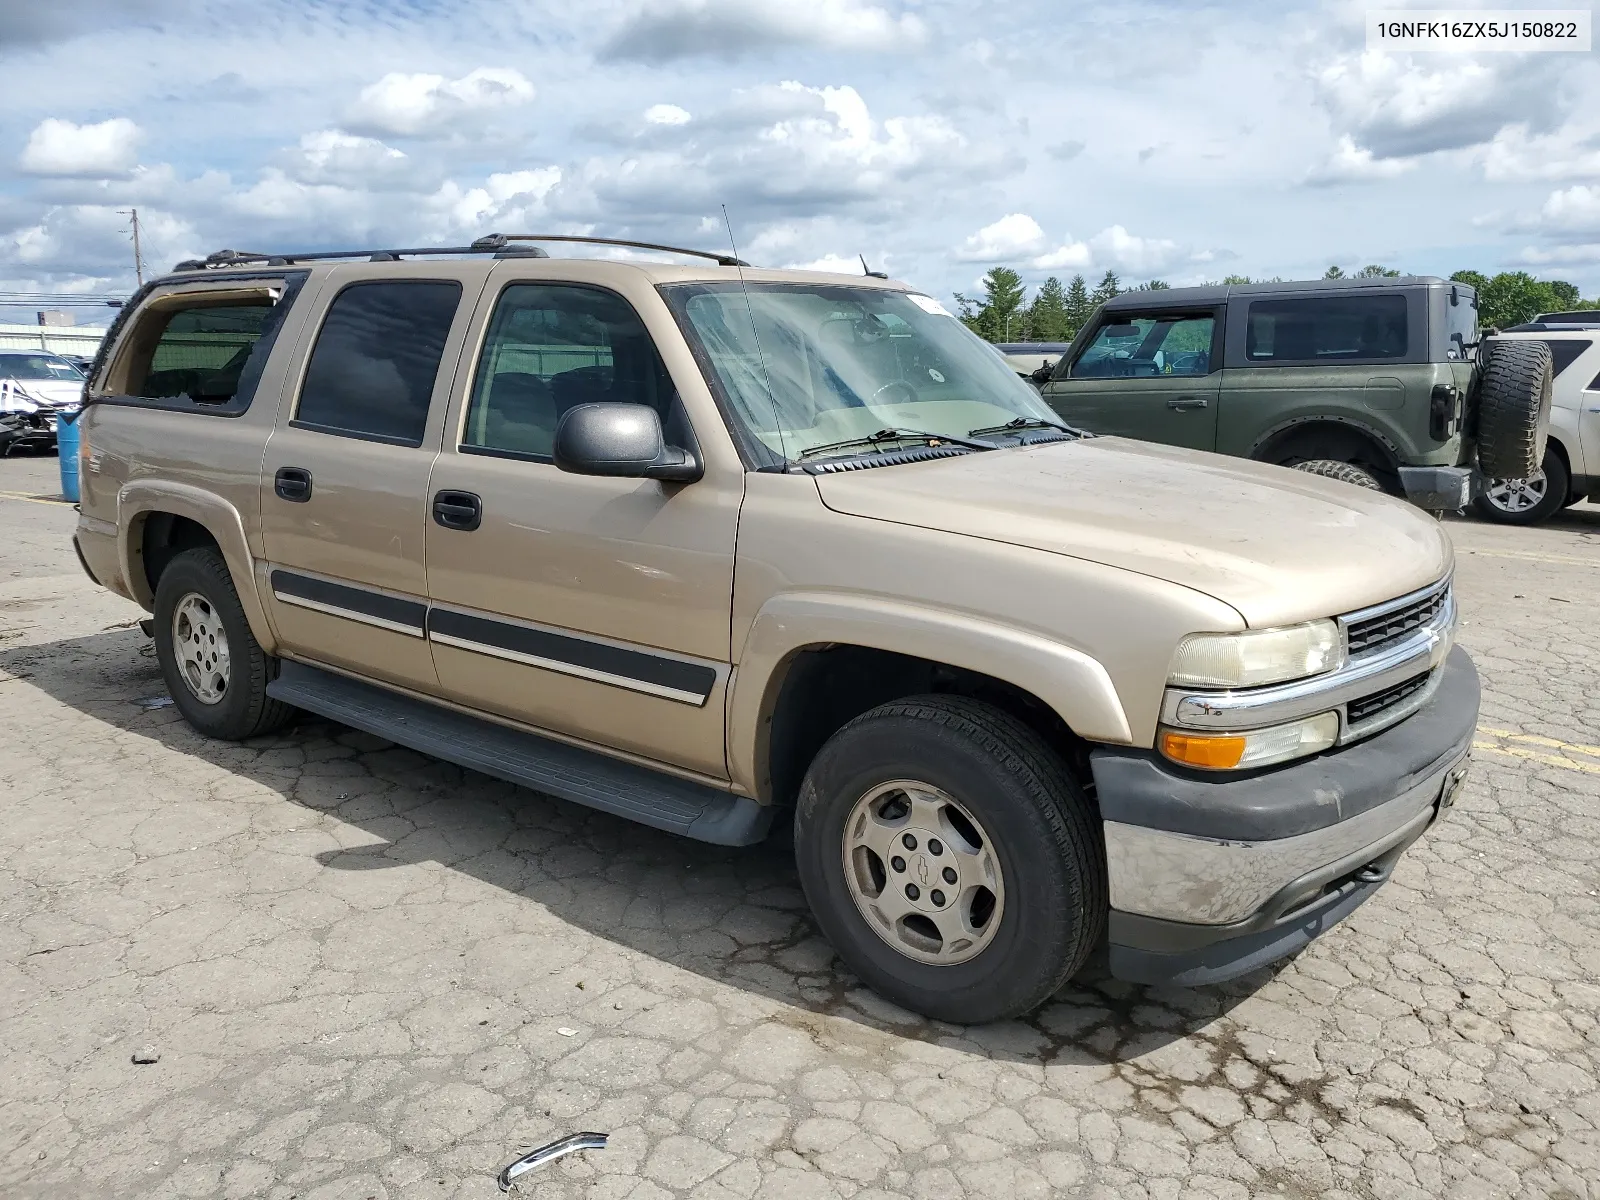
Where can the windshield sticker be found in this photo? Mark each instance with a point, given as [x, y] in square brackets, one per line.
[928, 304]
[936, 376]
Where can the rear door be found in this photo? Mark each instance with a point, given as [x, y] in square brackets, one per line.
[1150, 376]
[1353, 356]
[345, 475]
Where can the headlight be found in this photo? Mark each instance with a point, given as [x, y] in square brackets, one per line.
[1254, 747]
[1257, 656]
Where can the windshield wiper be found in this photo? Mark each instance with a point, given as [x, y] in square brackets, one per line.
[894, 435]
[1022, 425]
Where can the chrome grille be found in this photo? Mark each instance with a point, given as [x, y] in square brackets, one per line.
[1369, 706]
[1363, 633]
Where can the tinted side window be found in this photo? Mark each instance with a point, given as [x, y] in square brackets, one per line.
[1565, 352]
[1328, 329]
[551, 346]
[371, 374]
[1143, 347]
[202, 352]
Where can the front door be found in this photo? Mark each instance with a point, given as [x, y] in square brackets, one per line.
[1148, 376]
[595, 608]
[345, 477]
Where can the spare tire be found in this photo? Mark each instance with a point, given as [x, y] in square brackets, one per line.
[1513, 407]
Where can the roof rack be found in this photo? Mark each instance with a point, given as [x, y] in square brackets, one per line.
[498, 244]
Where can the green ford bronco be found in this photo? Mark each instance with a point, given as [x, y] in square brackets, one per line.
[1379, 382]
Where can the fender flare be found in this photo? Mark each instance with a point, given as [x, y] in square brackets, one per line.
[1351, 423]
[217, 516]
[1071, 682]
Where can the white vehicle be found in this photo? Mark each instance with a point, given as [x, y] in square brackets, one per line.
[36, 388]
[1572, 455]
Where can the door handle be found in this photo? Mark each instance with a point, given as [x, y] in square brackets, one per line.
[292, 484]
[458, 510]
[1185, 402]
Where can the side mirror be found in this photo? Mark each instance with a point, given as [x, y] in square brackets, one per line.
[1042, 375]
[620, 440]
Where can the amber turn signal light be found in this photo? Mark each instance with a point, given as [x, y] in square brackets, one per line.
[1217, 753]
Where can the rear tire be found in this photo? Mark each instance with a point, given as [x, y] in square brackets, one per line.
[1345, 472]
[1526, 501]
[1006, 802]
[1514, 388]
[221, 691]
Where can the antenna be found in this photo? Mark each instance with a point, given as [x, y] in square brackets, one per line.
[868, 271]
[766, 379]
[138, 257]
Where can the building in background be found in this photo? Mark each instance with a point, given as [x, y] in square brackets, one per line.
[74, 341]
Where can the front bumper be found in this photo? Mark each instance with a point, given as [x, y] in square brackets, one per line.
[1212, 877]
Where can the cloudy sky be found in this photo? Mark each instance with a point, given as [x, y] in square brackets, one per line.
[936, 137]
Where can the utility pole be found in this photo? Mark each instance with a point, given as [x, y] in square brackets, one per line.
[138, 257]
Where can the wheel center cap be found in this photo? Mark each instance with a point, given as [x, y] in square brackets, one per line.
[927, 857]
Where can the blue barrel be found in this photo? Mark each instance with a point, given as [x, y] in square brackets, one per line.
[67, 445]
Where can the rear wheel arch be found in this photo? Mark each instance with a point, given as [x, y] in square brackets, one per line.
[160, 521]
[1336, 439]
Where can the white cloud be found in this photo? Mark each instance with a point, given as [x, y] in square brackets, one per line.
[732, 28]
[835, 263]
[1577, 255]
[666, 114]
[1114, 248]
[333, 156]
[843, 133]
[508, 201]
[1069, 256]
[1350, 163]
[422, 104]
[1517, 154]
[97, 236]
[103, 151]
[1398, 106]
[1573, 210]
[1011, 237]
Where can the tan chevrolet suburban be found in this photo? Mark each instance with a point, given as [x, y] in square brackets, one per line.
[711, 547]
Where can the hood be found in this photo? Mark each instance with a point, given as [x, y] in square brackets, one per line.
[24, 395]
[1277, 545]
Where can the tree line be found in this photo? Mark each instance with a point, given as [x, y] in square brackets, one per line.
[1004, 313]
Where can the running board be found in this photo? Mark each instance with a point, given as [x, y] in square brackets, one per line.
[543, 764]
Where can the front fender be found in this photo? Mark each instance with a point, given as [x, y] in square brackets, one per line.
[1071, 682]
[222, 520]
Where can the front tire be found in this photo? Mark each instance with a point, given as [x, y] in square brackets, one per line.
[914, 792]
[216, 672]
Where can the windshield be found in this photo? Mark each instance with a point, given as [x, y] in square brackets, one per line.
[38, 366]
[844, 363]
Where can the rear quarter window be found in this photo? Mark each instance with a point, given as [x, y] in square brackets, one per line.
[1327, 330]
[202, 351]
[1566, 351]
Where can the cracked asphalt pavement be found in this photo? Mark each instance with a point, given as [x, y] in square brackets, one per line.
[364, 973]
